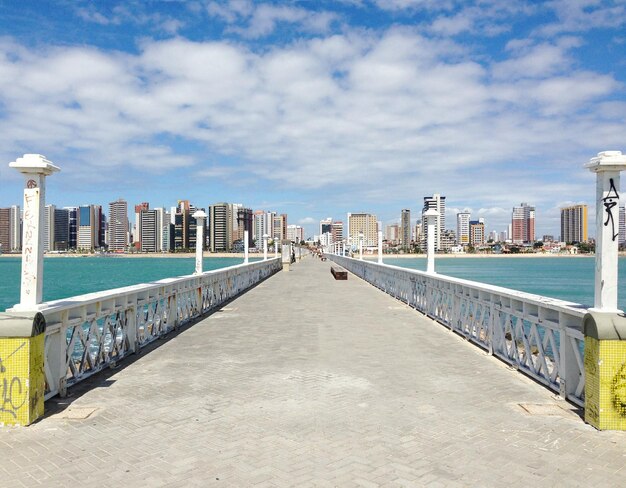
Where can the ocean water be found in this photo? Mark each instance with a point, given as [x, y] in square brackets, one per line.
[71, 276]
[566, 278]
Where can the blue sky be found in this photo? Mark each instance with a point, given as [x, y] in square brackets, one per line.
[315, 108]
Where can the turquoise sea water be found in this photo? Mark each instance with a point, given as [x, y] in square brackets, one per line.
[66, 277]
[567, 278]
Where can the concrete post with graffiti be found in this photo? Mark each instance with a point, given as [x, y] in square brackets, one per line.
[22, 327]
[607, 167]
[35, 168]
[605, 327]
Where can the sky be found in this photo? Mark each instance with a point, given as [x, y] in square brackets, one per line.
[315, 108]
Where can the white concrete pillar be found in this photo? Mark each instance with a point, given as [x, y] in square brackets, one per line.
[265, 237]
[276, 244]
[199, 215]
[35, 168]
[431, 220]
[380, 247]
[607, 166]
[361, 246]
[245, 247]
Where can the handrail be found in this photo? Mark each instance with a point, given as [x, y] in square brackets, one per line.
[87, 333]
[540, 336]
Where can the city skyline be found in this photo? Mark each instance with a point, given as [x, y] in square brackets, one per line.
[316, 108]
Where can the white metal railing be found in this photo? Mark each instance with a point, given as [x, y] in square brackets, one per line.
[540, 336]
[87, 333]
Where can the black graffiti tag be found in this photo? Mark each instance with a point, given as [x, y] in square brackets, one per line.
[610, 201]
[12, 395]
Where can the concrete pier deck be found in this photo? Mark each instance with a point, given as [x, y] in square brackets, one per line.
[309, 381]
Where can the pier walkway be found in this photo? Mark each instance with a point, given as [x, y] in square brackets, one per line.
[308, 381]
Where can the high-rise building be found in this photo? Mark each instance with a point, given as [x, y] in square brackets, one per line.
[258, 226]
[118, 225]
[405, 228]
[523, 224]
[48, 228]
[326, 226]
[162, 219]
[244, 223]
[417, 231]
[337, 231]
[149, 231]
[280, 227]
[184, 231]
[438, 203]
[102, 227]
[136, 234]
[493, 236]
[61, 229]
[392, 234]
[477, 232]
[463, 228]
[88, 227]
[367, 225]
[5, 229]
[574, 223]
[220, 227]
[448, 239]
[295, 233]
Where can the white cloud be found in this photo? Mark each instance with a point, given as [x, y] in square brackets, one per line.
[307, 221]
[256, 20]
[389, 117]
[583, 15]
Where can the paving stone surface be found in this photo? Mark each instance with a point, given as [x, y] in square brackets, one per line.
[307, 381]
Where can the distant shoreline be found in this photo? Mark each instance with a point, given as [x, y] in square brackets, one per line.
[479, 256]
[271, 255]
[179, 255]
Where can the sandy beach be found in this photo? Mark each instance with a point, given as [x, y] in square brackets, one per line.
[271, 254]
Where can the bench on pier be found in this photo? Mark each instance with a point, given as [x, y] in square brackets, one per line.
[339, 273]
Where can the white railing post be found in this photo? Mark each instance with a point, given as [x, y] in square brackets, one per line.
[361, 246]
[245, 247]
[380, 247]
[199, 215]
[430, 215]
[131, 322]
[607, 166]
[265, 237]
[35, 168]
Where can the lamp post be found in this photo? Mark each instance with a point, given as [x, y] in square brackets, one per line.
[245, 247]
[380, 247]
[607, 167]
[276, 244]
[361, 246]
[35, 168]
[199, 215]
[265, 237]
[431, 218]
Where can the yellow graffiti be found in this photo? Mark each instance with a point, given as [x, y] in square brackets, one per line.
[22, 380]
